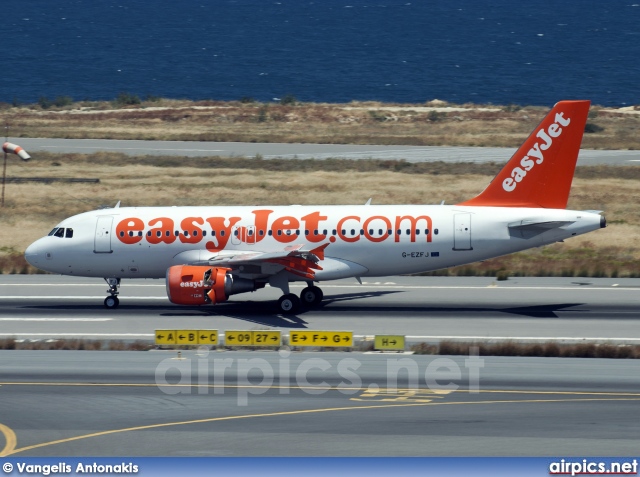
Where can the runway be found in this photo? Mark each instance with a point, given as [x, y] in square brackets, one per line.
[240, 403]
[308, 151]
[57, 403]
[422, 308]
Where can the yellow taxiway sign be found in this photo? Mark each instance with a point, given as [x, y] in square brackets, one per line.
[389, 342]
[186, 337]
[208, 337]
[165, 337]
[321, 338]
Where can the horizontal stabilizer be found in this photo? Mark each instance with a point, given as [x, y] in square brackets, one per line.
[527, 229]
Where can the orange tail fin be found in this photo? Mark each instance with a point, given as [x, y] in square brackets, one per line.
[541, 171]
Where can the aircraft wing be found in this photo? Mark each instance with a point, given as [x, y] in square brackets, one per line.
[293, 259]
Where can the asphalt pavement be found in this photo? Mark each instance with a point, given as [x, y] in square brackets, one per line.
[57, 403]
[307, 151]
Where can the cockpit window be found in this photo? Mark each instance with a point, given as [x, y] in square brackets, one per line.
[68, 233]
[59, 232]
[53, 232]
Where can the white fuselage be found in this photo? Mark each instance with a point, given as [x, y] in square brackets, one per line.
[143, 242]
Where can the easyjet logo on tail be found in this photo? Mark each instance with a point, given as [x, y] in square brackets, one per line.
[536, 153]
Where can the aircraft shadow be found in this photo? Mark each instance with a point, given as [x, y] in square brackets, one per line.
[264, 312]
[535, 311]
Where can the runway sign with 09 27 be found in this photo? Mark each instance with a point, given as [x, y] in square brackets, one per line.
[253, 338]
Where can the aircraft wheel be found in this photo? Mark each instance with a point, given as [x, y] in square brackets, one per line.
[111, 302]
[311, 296]
[289, 304]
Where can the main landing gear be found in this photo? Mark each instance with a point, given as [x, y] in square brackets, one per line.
[112, 300]
[310, 297]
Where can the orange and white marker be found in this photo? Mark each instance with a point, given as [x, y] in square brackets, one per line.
[15, 149]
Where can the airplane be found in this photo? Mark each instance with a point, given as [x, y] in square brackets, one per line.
[207, 254]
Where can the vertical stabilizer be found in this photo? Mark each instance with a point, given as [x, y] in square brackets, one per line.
[540, 173]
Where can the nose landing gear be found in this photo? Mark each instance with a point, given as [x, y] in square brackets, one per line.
[112, 300]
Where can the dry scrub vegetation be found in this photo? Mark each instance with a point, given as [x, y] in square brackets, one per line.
[435, 123]
[32, 209]
[501, 348]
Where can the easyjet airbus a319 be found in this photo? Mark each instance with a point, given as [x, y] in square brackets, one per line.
[207, 254]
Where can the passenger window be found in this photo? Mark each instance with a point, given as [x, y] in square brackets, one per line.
[297, 232]
[204, 233]
[250, 233]
[235, 232]
[279, 232]
[426, 231]
[176, 233]
[389, 232]
[334, 231]
[399, 232]
[306, 232]
[69, 233]
[130, 233]
[168, 233]
[149, 233]
[324, 232]
[261, 232]
[435, 231]
[159, 233]
[195, 233]
[417, 231]
[213, 233]
[270, 233]
[361, 231]
[408, 231]
[222, 233]
[353, 231]
[140, 233]
[315, 232]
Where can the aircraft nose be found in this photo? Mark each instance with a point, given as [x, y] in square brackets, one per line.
[32, 254]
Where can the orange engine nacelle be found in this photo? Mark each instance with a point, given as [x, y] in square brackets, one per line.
[198, 285]
[193, 285]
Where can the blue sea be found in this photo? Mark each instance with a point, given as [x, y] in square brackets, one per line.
[485, 51]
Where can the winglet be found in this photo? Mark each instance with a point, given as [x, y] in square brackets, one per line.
[319, 251]
[540, 173]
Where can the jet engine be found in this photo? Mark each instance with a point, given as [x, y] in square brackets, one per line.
[198, 285]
